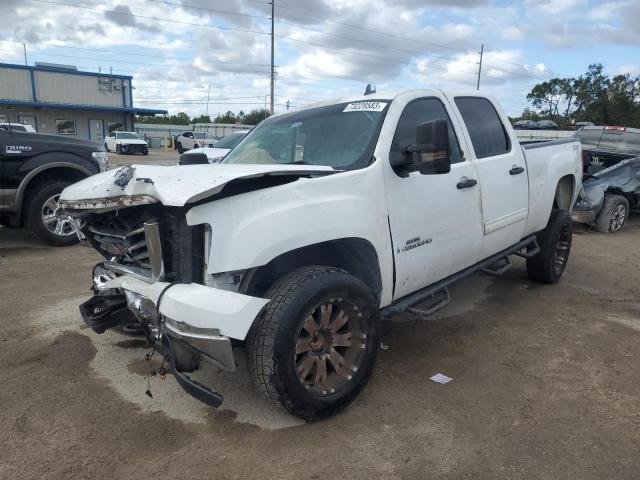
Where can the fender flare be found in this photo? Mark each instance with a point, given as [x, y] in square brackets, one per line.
[26, 180]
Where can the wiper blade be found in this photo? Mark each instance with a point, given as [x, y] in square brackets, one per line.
[298, 162]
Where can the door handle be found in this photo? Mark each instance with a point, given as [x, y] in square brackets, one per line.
[515, 170]
[466, 183]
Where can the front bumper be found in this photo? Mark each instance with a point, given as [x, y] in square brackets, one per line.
[179, 317]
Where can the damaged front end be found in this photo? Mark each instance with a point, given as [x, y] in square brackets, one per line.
[622, 178]
[154, 273]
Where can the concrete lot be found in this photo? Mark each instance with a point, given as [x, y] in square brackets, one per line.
[545, 384]
[156, 156]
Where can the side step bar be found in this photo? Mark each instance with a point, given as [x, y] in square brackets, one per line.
[526, 248]
[434, 307]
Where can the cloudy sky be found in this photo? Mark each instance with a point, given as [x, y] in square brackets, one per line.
[176, 49]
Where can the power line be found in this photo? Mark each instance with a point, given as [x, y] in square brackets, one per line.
[412, 40]
[385, 34]
[110, 52]
[397, 60]
[213, 10]
[157, 19]
[115, 61]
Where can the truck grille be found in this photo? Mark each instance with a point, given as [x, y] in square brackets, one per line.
[120, 238]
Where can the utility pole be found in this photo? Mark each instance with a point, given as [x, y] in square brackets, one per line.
[480, 66]
[24, 47]
[287, 105]
[265, 107]
[208, 93]
[273, 73]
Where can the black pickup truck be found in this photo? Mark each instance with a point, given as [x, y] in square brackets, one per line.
[34, 169]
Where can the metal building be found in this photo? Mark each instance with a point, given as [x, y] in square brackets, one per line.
[59, 99]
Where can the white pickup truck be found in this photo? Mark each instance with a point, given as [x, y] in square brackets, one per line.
[320, 223]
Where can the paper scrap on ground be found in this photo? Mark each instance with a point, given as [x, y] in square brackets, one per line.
[440, 378]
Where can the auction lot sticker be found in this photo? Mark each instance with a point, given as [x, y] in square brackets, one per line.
[365, 107]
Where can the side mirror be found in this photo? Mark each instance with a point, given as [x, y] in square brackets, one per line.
[431, 154]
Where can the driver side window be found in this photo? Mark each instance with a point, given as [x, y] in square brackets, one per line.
[417, 112]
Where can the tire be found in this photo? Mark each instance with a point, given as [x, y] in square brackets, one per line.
[555, 245]
[196, 146]
[180, 149]
[613, 216]
[118, 150]
[40, 206]
[288, 377]
[145, 151]
[106, 147]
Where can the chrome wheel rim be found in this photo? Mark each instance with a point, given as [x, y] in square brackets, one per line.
[617, 218]
[561, 254]
[60, 226]
[330, 346]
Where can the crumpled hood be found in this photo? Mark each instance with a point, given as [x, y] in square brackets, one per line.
[173, 186]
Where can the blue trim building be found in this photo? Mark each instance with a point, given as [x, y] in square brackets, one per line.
[58, 99]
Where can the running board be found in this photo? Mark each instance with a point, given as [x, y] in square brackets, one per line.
[496, 268]
[434, 307]
[526, 248]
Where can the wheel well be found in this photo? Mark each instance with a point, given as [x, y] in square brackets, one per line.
[354, 255]
[47, 176]
[564, 193]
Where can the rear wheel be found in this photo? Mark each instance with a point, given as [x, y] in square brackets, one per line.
[313, 348]
[43, 218]
[555, 245]
[613, 215]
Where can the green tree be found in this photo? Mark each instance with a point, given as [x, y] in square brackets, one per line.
[228, 117]
[201, 119]
[255, 116]
[592, 97]
[179, 119]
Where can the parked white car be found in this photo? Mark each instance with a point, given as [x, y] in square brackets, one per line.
[215, 154]
[18, 127]
[190, 140]
[320, 223]
[125, 142]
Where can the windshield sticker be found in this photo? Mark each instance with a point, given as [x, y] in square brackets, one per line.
[365, 107]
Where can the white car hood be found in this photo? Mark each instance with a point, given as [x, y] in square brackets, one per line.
[173, 186]
[130, 141]
[212, 153]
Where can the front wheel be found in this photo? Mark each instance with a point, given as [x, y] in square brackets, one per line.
[613, 215]
[106, 147]
[145, 151]
[555, 244]
[313, 347]
[43, 218]
[180, 148]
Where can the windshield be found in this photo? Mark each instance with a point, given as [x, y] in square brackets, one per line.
[128, 135]
[200, 135]
[341, 136]
[230, 140]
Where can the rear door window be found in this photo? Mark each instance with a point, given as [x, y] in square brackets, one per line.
[488, 135]
[630, 143]
[611, 141]
[589, 137]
